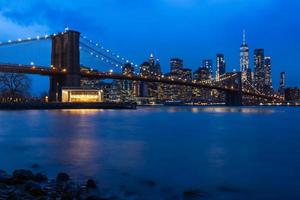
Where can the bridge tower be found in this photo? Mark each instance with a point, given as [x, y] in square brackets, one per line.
[235, 98]
[65, 56]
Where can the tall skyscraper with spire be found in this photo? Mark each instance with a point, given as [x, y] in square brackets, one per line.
[244, 59]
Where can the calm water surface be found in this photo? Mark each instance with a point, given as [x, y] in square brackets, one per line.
[228, 153]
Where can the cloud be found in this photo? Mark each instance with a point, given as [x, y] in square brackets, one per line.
[12, 29]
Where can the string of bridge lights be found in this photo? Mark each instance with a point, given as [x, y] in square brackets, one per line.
[108, 51]
[100, 57]
[31, 39]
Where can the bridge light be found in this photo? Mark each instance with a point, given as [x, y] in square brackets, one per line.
[31, 63]
[64, 70]
[111, 71]
[9, 41]
[19, 40]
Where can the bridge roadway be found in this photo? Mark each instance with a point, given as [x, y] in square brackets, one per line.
[52, 71]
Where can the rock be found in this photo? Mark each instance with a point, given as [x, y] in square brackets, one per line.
[4, 177]
[62, 177]
[94, 198]
[193, 193]
[39, 177]
[3, 186]
[34, 189]
[21, 176]
[67, 196]
[91, 184]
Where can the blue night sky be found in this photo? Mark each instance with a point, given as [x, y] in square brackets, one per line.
[189, 29]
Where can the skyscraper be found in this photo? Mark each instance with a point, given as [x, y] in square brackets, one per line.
[268, 74]
[207, 63]
[221, 66]
[259, 69]
[176, 65]
[282, 83]
[157, 68]
[244, 59]
[152, 61]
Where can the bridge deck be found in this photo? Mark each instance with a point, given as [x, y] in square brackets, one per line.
[47, 71]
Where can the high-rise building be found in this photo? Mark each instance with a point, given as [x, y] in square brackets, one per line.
[207, 63]
[129, 89]
[157, 68]
[244, 59]
[152, 60]
[178, 72]
[259, 69]
[176, 65]
[292, 94]
[202, 74]
[268, 74]
[282, 83]
[150, 68]
[221, 66]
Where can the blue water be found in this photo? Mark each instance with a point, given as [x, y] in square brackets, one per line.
[227, 153]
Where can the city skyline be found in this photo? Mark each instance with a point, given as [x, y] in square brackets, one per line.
[192, 42]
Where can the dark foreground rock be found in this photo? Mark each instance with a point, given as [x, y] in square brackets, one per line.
[193, 193]
[24, 184]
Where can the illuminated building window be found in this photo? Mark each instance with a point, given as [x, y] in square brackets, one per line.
[81, 95]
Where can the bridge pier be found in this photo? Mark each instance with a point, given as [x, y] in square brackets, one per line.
[65, 57]
[233, 98]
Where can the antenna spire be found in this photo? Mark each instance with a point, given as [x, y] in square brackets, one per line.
[244, 37]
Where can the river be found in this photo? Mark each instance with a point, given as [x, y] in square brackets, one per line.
[159, 152]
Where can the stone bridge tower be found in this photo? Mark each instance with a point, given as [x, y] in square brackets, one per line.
[65, 55]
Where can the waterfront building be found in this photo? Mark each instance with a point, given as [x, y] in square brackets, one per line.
[292, 94]
[221, 66]
[244, 59]
[259, 69]
[81, 95]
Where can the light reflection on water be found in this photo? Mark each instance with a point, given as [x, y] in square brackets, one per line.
[177, 147]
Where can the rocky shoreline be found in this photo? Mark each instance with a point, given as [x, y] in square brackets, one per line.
[26, 185]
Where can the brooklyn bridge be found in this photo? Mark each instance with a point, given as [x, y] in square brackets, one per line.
[66, 71]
